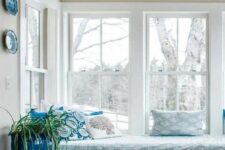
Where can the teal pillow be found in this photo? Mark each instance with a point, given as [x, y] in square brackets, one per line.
[94, 113]
[38, 114]
[74, 127]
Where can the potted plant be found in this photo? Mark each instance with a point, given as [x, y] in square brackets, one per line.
[37, 131]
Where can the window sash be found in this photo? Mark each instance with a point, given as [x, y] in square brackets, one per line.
[40, 8]
[149, 73]
[31, 70]
[177, 73]
[101, 72]
[29, 104]
[177, 15]
[100, 16]
[100, 75]
[41, 82]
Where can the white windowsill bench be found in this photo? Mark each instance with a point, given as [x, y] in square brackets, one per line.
[205, 142]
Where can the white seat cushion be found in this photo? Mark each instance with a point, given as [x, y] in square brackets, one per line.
[149, 143]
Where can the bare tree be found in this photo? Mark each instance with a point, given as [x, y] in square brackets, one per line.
[169, 50]
[79, 36]
[190, 97]
[193, 98]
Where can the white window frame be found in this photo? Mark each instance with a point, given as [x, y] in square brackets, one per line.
[137, 11]
[42, 70]
[176, 73]
[100, 73]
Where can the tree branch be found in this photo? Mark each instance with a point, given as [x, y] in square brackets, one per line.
[79, 35]
[195, 44]
[97, 44]
[98, 26]
[168, 44]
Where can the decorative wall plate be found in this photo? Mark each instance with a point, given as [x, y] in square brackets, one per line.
[11, 6]
[11, 42]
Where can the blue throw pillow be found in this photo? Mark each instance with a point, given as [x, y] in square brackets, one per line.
[74, 127]
[42, 114]
[37, 114]
[177, 123]
[95, 113]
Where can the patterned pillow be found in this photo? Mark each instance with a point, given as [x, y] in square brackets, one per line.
[74, 127]
[177, 123]
[101, 127]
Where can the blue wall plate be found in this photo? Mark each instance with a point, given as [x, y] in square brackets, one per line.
[11, 42]
[11, 6]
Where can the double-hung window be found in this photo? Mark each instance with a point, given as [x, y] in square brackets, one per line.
[177, 69]
[99, 64]
[35, 61]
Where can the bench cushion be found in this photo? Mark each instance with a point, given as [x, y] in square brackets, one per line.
[149, 143]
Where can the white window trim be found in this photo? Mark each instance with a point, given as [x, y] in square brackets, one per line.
[137, 54]
[51, 68]
[149, 73]
[37, 70]
[30, 71]
[26, 71]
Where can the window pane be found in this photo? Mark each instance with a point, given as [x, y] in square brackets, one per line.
[162, 44]
[192, 92]
[33, 38]
[115, 44]
[37, 89]
[163, 89]
[177, 48]
[99, 45]
[115, 99]
[85, 90]
[192, 44]
[122, 126]
[115, 94]
[86, 44]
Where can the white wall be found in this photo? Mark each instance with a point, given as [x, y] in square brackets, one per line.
[9, 67]
[137, 94]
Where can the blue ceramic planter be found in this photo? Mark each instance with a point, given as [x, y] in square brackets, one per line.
[34, 144]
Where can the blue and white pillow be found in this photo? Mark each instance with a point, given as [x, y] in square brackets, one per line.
[176, 123]
[74, 127]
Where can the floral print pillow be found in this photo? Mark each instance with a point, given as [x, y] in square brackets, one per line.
[101, 127]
